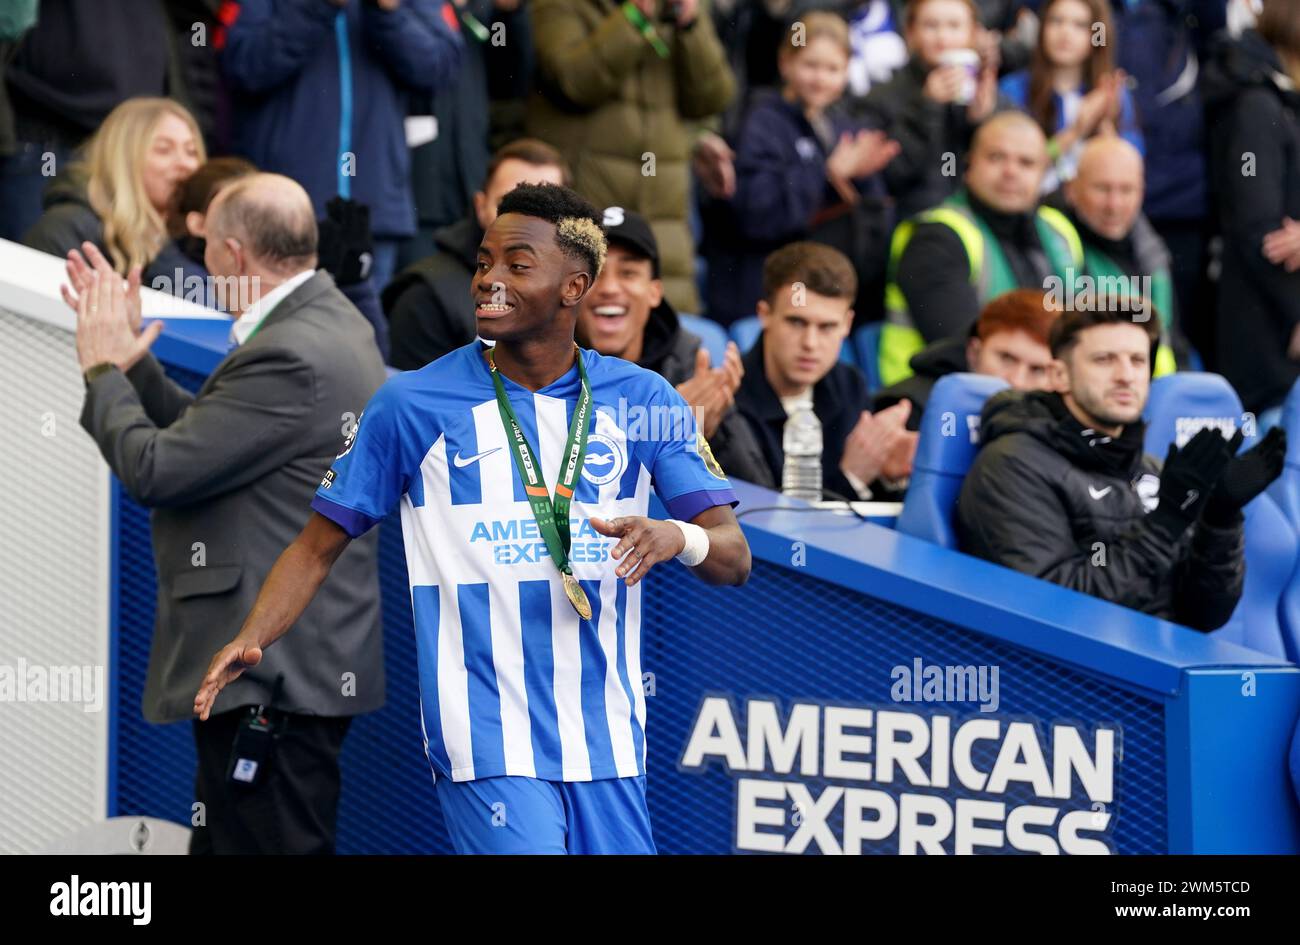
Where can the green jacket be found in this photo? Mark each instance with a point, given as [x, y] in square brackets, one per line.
[622, 115]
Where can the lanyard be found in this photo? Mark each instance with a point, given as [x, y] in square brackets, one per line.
[552, 519]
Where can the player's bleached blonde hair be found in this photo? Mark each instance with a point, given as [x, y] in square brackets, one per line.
[578, 232]
[583, 237]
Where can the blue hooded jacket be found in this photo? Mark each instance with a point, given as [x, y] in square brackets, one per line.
[306, 95]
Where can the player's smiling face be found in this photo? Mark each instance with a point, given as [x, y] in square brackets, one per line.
[524, 279]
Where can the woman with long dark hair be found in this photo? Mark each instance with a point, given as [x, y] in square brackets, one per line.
[1072, 88]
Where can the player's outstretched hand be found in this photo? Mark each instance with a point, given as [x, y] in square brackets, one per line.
[644, 542]
[227, 666]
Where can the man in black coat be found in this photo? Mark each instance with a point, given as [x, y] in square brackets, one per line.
[1062, 490]
[806, 310]
[625, 315]
[1253, 106]
[428, 304]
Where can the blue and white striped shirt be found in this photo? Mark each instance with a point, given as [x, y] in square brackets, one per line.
[512, 681]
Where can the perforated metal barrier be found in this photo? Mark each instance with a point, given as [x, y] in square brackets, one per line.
[53, 605]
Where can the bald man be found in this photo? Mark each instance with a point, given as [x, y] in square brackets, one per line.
[229, 474]
[988, 238]
[1104, 202]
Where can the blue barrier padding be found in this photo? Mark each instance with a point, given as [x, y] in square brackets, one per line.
[833, 609]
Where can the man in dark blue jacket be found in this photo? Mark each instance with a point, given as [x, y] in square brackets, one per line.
[321, 90]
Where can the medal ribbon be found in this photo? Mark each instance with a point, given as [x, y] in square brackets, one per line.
[552, 516]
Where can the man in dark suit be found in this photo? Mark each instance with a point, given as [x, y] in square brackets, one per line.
[229, 474]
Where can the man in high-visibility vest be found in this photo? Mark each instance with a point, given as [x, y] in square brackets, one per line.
[986, 239]
[1120, 247]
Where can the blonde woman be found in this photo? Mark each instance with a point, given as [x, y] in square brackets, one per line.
[118, 196]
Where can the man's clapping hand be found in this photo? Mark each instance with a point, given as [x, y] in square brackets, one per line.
[712, 390]
[108, 311]
[881, 445]
[1282, 246]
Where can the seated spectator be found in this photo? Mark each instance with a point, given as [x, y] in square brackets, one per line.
[988, 238]
[931, 107]
[284, 64]
[119, 197]
[1252, 91]
[801, 163]
[1061, 488]
[1071, 87]
[625, 315]
[1104, 202]
[1008, 340]
[620, 89]
[430, 311]
[808, 291]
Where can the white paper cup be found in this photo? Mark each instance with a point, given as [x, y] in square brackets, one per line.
[969, 61]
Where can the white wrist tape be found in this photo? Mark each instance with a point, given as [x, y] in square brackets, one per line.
[697, 543]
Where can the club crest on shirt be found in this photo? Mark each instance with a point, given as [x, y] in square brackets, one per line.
[604, 461]
[352, 438]
[1147, 487]
[706, 453]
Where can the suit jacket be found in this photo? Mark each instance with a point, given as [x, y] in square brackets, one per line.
[229, 474]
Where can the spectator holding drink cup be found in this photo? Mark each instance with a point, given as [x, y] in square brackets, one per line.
[932, 105]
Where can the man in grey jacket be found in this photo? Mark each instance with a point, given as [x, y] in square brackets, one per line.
[229, 474]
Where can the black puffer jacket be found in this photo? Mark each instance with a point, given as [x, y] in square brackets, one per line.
[1051, 499]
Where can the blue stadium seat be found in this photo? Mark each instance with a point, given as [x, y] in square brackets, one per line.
[1182, 403]
[745, 331]
[866, 341]
[945, 451]
[1268, 617]
[1179, 405]
[1286, 493]
[1286, 490]
[711, 333]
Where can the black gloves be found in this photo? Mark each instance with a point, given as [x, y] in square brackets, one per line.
[1189, 477]
[346, 247]
[1246, 476]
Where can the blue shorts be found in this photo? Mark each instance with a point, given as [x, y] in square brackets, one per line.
[528, 815]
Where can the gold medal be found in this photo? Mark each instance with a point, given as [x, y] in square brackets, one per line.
[577, 596]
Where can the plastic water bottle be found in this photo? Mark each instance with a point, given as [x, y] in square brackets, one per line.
[801, 477]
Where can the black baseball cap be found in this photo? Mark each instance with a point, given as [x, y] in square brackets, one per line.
[630, 229]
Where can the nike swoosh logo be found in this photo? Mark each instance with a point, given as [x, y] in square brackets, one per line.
[463, 461]
[1099, 493]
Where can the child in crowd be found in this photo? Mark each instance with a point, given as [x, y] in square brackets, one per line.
[932, 105]
[804, 169]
